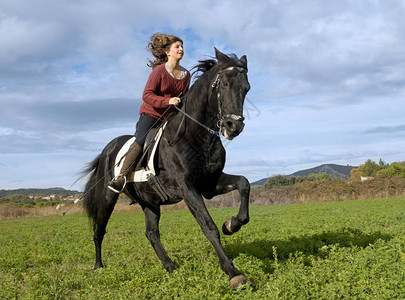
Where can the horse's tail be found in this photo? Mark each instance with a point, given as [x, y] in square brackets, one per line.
[89, 200]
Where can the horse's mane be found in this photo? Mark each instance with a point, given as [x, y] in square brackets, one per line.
[204, 66]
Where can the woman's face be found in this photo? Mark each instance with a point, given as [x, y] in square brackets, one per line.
[176, 51]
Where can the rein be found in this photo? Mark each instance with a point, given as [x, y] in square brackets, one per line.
[217, 133]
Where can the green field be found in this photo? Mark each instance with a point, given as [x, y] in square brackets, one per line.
[353, 249]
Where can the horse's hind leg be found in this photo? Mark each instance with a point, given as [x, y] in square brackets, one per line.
[227, 183]
[103, 215]
[152, 217]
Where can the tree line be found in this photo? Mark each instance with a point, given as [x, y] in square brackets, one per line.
[381, 169]
[369, 169]
[30, 201]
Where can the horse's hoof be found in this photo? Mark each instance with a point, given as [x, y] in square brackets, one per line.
[230, 226]
[240, 282]
[171, 268]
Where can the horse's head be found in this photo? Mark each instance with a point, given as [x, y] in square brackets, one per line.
[230, 87]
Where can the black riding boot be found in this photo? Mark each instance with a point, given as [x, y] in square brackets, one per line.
[117, 184]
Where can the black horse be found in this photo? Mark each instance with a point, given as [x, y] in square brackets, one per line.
[189, 162]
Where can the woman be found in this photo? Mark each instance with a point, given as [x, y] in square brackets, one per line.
[166, 83]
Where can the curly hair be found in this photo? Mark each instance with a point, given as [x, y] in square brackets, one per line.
[158, 45]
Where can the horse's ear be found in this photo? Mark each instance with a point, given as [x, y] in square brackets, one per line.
[243, 60]
[220, 56]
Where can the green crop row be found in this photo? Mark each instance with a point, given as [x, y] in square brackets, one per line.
[349, 250]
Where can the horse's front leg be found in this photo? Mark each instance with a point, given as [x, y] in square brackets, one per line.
[152, 217]
[227, 183]
[197, 207]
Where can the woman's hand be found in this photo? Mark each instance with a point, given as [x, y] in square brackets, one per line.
[174, 100]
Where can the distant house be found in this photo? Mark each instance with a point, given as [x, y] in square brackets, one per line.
[48, 198]
[365, 178]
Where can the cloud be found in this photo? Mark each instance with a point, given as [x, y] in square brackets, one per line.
[386, 129]
[18, 143]
[346, 51]
[328, 79]
[69, 117]
[47, 127]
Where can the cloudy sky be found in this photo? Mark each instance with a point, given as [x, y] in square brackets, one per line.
[327, 78]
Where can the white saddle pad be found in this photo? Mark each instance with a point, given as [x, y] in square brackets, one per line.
[140, 175]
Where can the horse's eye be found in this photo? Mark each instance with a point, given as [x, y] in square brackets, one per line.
[225, 84]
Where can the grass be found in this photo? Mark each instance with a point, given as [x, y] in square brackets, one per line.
[352, 249]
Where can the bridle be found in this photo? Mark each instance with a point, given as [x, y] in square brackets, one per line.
[216, 85]
[221, 118]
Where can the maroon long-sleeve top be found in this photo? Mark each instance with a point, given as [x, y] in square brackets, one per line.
[160, 87]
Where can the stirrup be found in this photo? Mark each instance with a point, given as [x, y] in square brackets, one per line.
[117, 191]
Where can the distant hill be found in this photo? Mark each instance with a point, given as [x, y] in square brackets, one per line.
[38, 192]
[333, 170]
[259, 182]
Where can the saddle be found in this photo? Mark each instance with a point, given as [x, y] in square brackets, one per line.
[145, 170]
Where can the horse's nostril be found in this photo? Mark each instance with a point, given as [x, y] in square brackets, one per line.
[230, 125]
